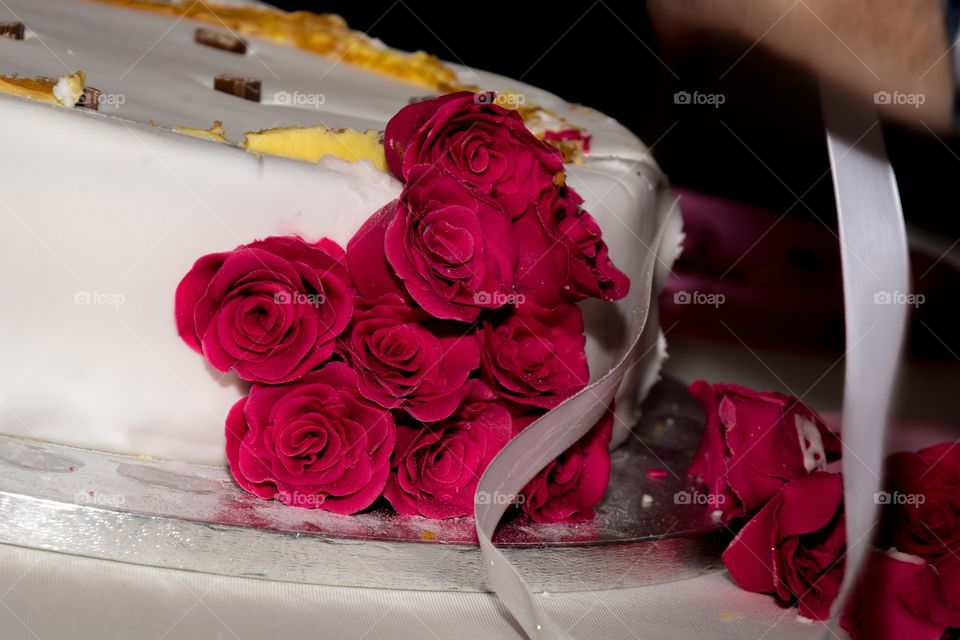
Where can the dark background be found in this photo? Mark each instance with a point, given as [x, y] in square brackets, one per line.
[765, 145]
[605, 54]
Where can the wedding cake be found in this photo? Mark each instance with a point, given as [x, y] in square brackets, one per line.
[152, 147]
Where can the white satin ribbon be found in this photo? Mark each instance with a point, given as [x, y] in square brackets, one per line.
[547, 438]
[873, 249]
[874, 258]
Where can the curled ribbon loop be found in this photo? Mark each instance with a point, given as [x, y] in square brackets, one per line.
[551, 435]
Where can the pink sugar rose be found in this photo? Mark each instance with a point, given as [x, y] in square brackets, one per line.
[269, 310]
[314, 443]
[568, 488]
[534, 357]
[479, 143]
[563, 256]
[948, 571]
[454, 253]
[436, 467]
[754, 443]
[923, 515]
[901, 596]
[407, 360]
[794, 547]
[370, 272]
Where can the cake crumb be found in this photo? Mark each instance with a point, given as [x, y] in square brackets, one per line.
[657, 474]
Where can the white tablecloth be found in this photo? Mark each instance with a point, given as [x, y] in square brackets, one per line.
[49, 595]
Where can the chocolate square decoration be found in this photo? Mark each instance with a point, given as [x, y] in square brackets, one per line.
[240, 86]
[12, 30]
[220, 40]
[89, 99]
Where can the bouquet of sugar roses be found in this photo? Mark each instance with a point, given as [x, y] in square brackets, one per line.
[401, 365]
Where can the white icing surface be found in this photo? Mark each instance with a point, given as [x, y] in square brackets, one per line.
[101, 216]
[152, 68]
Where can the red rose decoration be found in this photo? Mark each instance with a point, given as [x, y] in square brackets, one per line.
[454, 253]
[436, 467]
[754, 443]
[921, 513]
[568, 488]
[370, 272]
[269, 310]
[406, 360]
[563, 256]
[314, 443]
[794, 547]
[479, 143]
[533, 357]
[948, 569]
[899, 596]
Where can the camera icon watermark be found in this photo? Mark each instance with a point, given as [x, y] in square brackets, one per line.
[94, 99]
[485, 97]
[698, 98]
[90, 298]
[298, 499]
[899, 298]
[696, 297]
[298, 99]
[298, 297]
[486, 497]
[699, 498]
[99, 499]
[507, 99]
[910, 99]
[498, 298]
[897, 498]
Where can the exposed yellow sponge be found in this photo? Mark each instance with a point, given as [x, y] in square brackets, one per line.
[214, 133]
[312, 143]
[63, 91]
[326, 34]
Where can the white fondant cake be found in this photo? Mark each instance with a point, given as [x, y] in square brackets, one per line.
[104, 212]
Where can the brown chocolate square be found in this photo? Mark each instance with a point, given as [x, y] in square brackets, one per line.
[220, 40]
[89, 99]
[240, 86]
[12, 30]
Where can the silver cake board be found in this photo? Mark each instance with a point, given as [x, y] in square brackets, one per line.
[649, 528]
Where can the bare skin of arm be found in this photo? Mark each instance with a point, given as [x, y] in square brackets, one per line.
[866, 46]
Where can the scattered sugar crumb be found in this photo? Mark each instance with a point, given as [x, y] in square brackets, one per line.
[647, 500]
[803, 620]
[716, 515]
[657, 473]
